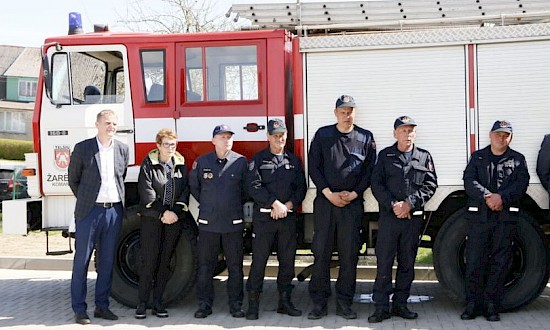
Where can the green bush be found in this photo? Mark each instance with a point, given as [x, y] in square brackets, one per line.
[14, 149]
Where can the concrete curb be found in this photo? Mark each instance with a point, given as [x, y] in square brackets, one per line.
[66, 264]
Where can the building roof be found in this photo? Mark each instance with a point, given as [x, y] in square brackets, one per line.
[26, 65]
[8, 54]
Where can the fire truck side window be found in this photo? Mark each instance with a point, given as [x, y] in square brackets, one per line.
[92, 76]
[87, 77]
[231, 73]
[154, 68]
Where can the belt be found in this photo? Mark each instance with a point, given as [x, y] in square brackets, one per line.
[107, 205]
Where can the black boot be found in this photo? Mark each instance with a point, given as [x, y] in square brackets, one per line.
[469, 312]
[253, 305]
[285, 304]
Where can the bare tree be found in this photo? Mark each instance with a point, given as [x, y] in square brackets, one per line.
[176, 16]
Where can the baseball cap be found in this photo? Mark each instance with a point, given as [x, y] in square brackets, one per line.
[345, 101]
[502, 126]
[275, 126]
[223, 128]
[402, 121]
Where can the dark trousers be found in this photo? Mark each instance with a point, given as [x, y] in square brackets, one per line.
[395, 237]
[208, 247]
[265, 233]
[344, 223]
[488, 255]
[100, 229]
[158, 242]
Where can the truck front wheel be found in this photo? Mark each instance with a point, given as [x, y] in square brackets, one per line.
[183, 264]
[527, 276]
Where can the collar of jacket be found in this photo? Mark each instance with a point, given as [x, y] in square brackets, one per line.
[154, 157]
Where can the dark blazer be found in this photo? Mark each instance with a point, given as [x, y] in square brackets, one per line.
[85, 176]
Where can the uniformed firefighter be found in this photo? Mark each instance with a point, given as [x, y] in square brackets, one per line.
[403, 181]
[495, 179]
[341, 158]
[543, 163]
[276, 181]
[217, 183]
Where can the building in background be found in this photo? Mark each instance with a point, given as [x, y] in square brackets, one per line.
[19, 68]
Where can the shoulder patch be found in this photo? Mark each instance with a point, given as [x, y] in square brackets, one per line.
[251, 165]
[194, 164]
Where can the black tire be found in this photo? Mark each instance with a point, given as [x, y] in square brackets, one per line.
[527, 277]
[125, 273]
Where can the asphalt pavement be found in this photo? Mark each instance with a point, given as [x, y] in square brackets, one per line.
[39, 299]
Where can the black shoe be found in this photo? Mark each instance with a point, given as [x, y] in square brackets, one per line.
[159, 310]
[345, 311]
[141, 311]
[317, 312]
[236, 312]
[203, 312]
[82, 318]
[379, 316]
[105, 314]
[469, 312]
[404, 312]
[491, 313]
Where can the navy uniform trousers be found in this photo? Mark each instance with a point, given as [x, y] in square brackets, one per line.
[209, 245]
[282, 231]
[343, 224]
[395, 236]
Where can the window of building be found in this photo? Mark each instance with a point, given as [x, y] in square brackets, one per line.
[27, 89]
[12, 122]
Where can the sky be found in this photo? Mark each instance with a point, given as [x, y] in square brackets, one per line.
[28, 22]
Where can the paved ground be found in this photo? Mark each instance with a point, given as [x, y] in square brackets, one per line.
[34, 299]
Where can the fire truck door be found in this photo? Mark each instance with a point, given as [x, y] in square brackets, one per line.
[221, 83]
[85, 81]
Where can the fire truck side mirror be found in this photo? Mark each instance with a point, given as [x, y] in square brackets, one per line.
[47, 75]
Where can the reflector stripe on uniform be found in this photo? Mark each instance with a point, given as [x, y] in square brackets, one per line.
[236, 222]
[204, 222]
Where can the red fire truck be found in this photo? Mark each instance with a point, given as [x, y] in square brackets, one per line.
[455, 73]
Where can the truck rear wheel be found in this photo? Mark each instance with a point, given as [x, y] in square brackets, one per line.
[529, 271]
[125, 273]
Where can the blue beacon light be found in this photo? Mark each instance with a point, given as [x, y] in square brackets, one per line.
[75, 23]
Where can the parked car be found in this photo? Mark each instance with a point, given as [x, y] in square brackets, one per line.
[12, 184]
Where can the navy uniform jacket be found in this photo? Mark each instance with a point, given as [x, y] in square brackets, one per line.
[512, 182]
[85, 175]
[269, 180]
[543, 163]
[397, 179]
[219, 189]
[342, 161]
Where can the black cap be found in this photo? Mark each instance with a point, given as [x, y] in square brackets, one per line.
[502, 126]
[402, 121]
[223, 128]
[345, 101]
[275, 126]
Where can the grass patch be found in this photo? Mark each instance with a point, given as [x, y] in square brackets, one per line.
[424, 257]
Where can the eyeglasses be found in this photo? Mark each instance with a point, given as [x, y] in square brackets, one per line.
[169, 145]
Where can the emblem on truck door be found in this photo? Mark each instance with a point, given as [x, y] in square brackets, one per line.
[62, 156]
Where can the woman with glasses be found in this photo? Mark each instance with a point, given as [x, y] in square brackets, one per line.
[164, 196]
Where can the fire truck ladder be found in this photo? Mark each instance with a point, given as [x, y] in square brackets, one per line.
[390, 15]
